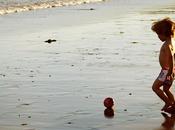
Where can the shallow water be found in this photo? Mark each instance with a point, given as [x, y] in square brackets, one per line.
[7, 7]
[15, 6]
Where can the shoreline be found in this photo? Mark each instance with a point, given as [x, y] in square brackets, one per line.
[44, 5]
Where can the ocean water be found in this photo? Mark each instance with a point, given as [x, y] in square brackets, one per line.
[126, 2]
[14, 6]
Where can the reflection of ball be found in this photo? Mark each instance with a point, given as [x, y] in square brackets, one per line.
[109, 113]
[108, 102]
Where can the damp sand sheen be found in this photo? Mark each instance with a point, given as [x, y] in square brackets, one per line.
[58, 65]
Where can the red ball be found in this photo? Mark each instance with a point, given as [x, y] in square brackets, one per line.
[108, 102]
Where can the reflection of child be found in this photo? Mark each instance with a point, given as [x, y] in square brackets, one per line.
[169, 122]
[165, 29]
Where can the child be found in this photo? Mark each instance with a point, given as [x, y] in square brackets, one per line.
[165, 29]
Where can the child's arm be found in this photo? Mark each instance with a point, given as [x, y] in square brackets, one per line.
[171, 62]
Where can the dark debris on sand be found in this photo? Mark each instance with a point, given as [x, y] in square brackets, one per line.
[50, 40]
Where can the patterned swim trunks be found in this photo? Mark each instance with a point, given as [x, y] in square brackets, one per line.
[162, 76]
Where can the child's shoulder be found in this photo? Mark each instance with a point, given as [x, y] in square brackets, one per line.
[165, 46]
[167, 43]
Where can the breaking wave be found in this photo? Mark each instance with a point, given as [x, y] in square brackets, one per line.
[14, 6]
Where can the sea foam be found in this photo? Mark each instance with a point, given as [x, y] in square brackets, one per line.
[8, 6]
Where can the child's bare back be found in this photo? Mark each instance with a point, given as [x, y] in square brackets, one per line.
[165, 55]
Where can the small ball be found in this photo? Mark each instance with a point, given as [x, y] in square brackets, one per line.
[108, 102]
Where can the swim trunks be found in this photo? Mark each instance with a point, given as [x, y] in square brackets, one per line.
[162, 76]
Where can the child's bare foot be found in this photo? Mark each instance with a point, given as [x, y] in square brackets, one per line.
[165, 107]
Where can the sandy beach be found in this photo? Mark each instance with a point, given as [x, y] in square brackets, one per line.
[109, 51]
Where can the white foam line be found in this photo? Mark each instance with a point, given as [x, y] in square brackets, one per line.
[28, 7]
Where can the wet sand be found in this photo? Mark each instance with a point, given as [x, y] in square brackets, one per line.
[62, 85]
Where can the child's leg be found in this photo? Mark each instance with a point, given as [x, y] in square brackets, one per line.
[156, 88]
[167, 91]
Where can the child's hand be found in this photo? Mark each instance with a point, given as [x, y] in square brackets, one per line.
[169, 77]
[169, 80]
